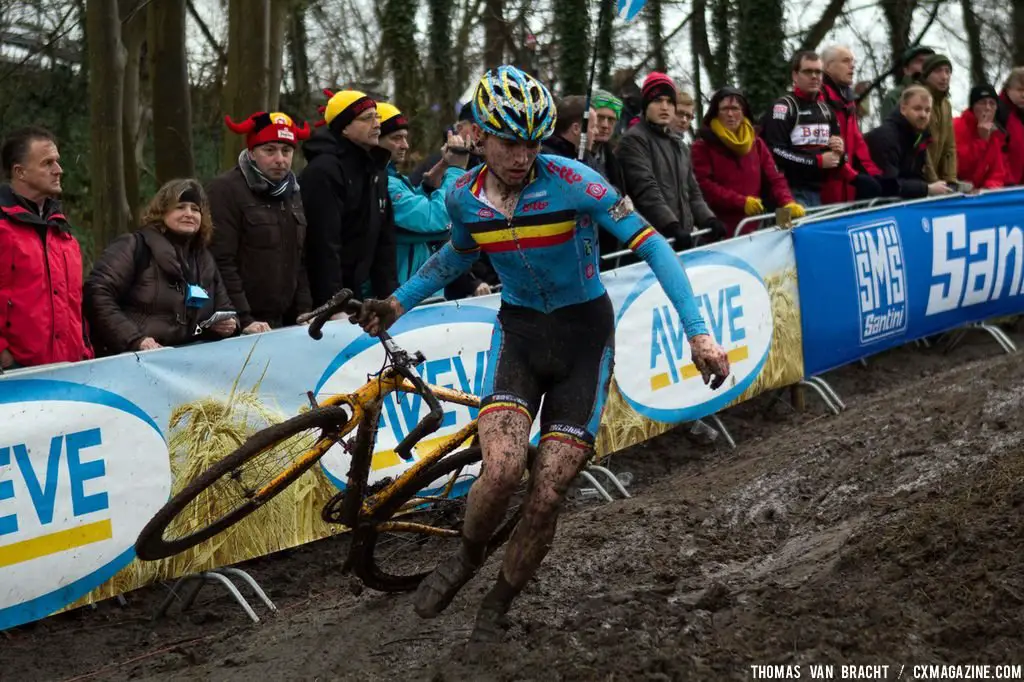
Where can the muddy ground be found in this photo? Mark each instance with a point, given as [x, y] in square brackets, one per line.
[888, 535]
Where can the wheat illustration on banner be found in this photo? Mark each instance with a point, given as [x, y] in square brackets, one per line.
[627, 9]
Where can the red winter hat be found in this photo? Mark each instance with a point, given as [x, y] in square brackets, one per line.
[655, 85]
[261, 128]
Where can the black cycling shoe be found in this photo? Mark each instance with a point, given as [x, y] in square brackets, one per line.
[439, 588]
[491, 624]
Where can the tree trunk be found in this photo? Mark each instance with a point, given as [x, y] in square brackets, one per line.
[298, 44]
[695, 53]
[440, 51]
[172, 104]
[494, 33]
[570, 23]
[278, 23]
[656, 35]
[974, 43]
[761, 62]
[247, 85]
[110, 213]
[898, 16]
[1018, 31]
[398, 37]
[721, 15]
[134, 35]
[823, 25]
[605, 42]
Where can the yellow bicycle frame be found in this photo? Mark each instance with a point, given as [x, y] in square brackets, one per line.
[360, 401]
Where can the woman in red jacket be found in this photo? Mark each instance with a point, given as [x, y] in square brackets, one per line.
[979, 142]
[734, 167]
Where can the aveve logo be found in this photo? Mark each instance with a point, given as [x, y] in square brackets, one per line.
[455, 341]
[664, 384]
[81, 472]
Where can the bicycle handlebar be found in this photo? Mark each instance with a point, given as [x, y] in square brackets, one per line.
[342, 302]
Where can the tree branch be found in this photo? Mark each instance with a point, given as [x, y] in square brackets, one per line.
[932, 16]
[823, 25]
[207, 33]
[670, 36]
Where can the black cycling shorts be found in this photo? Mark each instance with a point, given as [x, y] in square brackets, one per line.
[565, 356]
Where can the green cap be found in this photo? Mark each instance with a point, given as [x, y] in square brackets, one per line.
[602, 99]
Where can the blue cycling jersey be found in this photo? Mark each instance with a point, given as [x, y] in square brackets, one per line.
[546, 255]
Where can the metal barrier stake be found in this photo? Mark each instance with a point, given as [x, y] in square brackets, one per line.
[724, 431]
[611, 477]
[597, 486]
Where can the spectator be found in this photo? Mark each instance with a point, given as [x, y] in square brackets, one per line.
[803, 134]
[910, 67]
[160, 285]
[350, 239]
[41, 276]
[421, 221]
[260, 227]
[734, 166]
[935, 75]
[979, 142]
[608, 109]
[1011, 118]
[899, 147]
[462, 128]
[682, 123]
[857, 178]
[625, 88]
[657, 169]
[569, 129]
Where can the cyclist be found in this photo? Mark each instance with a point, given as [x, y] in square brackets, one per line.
[537, 217]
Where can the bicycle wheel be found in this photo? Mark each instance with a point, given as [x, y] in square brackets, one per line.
[384, 562]
[237, 485]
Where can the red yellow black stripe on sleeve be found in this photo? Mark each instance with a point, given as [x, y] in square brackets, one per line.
[642, 235]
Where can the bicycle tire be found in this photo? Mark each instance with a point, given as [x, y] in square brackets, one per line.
[365, 563]
[151, 544]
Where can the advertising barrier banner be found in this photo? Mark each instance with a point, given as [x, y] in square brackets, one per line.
[877, 279]
[89, 452]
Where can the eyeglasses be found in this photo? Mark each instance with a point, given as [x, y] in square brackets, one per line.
[812, 73]
[368, 116]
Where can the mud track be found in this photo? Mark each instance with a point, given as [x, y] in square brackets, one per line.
[890, 534]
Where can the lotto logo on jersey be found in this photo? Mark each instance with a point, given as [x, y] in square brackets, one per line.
[485, 213]
[881, 280]
[567, 174]
[596, 190]
[534, 206]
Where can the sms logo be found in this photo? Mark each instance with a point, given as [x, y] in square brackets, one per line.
[81, 471]
[881, 281]
[663, 384]
[455, 341]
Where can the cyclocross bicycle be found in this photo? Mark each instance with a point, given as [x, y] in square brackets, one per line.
[427, 496]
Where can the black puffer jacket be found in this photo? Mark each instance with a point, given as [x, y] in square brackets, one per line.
[350, 238]
[901, 153]
[659, 179]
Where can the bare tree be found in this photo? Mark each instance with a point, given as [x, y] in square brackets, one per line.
[1018, 31]
[133, 27]
[494, 33]
[247, 86]
[974, 47]
[110, 214]
[279, 12]
[172, 102]
[440, 51]
[656, 34]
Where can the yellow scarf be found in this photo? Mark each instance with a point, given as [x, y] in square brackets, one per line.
[739, 142]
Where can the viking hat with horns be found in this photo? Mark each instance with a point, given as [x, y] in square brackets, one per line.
[261, 128]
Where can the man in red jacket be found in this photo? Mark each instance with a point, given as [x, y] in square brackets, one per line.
[40, 262]
[1011, 118]
[979, 142]
[857, 179]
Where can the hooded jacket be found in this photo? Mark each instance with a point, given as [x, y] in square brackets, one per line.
[1012, 120]
[901, 153]
[837, 187]
[659, 179]
[421, 220]
[350, 238]
[942, 150]
[40, 284]
[980, 161]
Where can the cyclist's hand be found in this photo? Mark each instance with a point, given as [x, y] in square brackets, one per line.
[375, 315]
[710, 359]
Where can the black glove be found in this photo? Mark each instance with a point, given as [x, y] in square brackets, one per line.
[717, 228]
[866, 187]
[683, 238]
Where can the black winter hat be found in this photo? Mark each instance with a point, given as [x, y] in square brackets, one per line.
[980, 92]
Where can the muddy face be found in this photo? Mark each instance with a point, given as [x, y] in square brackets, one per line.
[510, 160]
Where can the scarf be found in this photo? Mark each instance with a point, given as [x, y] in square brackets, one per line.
[739, 142]
[261, 184]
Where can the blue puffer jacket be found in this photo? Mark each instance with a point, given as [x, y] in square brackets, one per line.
[421, 220]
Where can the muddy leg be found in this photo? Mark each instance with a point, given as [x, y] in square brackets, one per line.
[504, 439]
[557, 465]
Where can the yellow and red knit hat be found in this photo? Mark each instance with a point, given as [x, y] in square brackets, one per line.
[391, 119]
[261, 128]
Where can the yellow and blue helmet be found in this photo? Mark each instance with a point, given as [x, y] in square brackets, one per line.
[514, 105]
